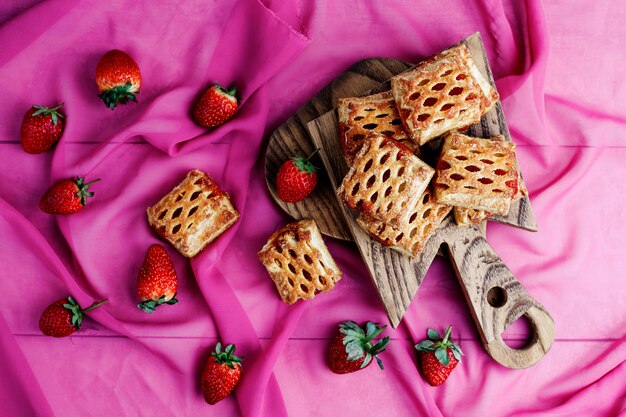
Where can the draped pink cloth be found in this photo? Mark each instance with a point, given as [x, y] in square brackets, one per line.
[559, 69]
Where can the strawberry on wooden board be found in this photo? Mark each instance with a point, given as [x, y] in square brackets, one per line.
[221, 374]
[118, 78]
[437, 357]
[63, 317]
[157, 282]
[216, 106]
[67, 196]
[41, 128]
[353, 347]
[296, 179]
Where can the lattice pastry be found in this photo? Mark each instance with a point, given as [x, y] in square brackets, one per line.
[299, 262]
[193, 214]
[359, 116]
[411, 237]
[443, 93]
[475, 173]
[385, 181]
[465, 216]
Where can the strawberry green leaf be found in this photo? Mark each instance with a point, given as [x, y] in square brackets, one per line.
[433, 334]
[425, 346]
[442, 356]
[368, 359]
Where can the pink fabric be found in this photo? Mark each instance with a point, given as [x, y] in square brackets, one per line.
[559, 71]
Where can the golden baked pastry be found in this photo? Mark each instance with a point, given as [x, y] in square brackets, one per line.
[385, 181]
[443, 93]
[193, 214]
[411, 237]
[299, 262]
[358, 116]
[476, 173]
[466, 216]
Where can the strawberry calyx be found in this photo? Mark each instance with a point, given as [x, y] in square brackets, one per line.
[77, 312]
[83, 189]
[226, 356]
[304, 164]
[232, 92]
[360, 343]
[47, 111]
[440, 346]
[120, 94]
[150, 305]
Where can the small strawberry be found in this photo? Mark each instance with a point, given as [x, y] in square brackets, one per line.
[63, 317]
[118, 78]
[296, 179]
[438, 357]
[157, 282]
[67, 196]
[352, 348]
[221, 374]
[41, 128]
[216, 106]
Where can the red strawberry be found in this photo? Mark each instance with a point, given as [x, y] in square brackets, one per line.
[41, 128]
[118, 78]
[438, 357]
[66, 196]
[296, 179]
[216, 106]
[63, 317]
[157, 282]
[221, 374]
[352, 348]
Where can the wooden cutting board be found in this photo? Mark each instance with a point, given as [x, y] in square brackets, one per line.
[495, 298]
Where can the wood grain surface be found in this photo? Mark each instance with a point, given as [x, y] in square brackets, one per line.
[397, 277]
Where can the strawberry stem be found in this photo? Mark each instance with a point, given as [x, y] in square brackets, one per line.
[446, 337]
[95, 305]
[311, 155]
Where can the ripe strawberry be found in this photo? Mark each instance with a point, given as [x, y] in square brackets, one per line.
[41, 128]
[66, 196]
[438, 357]
[118, 78]
[221, 374]
[216, 106]
[352, 348]
[157, 282]
[296, 179]
[63, 317]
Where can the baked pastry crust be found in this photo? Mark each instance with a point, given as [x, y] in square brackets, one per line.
[385, 181]
[299, 262]
[359, 116]
[443, 93]
[411, 237]
[193, 214]
[476, 173]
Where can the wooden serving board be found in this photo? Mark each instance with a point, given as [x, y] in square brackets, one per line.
[496, 299]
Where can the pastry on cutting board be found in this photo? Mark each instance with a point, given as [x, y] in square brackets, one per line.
[409, 238]
[299, 262]
[359, 116]
[193, 214]
[443, 93]
[385, 181]
[479, 174]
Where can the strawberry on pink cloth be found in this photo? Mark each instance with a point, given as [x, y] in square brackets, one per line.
[558, 70]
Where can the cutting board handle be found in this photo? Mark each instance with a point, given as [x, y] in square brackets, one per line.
[497, 299]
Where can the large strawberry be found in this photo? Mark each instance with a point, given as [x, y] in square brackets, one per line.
[67, 196]
[296, 179]
[41, 128]
[216, 106]
[118, 78]
[353, 347]
[437, 356]
[221, 374]
[157, 282]
[63, 317]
